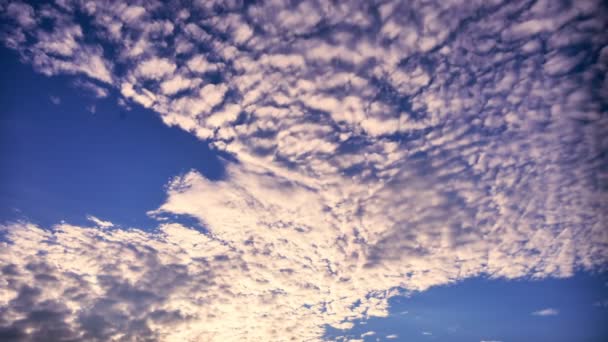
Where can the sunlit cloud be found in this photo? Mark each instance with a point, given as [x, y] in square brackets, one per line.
[371, 155]
[369, 333]
[100, 223]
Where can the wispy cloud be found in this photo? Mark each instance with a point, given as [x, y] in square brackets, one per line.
[100, 223]
[601, 303]
[546, 312]
[92, 88]
[369, 333]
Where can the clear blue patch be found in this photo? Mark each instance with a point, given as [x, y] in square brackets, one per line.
[62, 162]
[495, 310]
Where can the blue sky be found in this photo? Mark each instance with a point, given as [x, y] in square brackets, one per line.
[60, 154]
[303, 171]
[495, 310]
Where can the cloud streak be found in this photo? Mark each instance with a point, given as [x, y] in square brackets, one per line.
[546, 312]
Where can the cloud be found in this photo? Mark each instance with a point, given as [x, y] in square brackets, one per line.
[199, 64]
[176, 284]
[369, 153]
[601, 303]
[132, 13]
[22, 13]
[94, 89]
[174, 85]
[546, 312]
[392, 336]
[427, 333]
[100, 223]
[369, 333]
[155, 68]
[55, 100]
[490, 341]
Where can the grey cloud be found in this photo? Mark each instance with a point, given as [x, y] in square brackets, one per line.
[22, 13]
[114, 298]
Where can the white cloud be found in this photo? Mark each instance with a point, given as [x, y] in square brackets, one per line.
[175, 84]
[369, 333]
[143, 97]
[174, 285]
[100, 223]
[392, 336]
[133, 13]
[63, 41]
[546, 312]
[199, 64]
[155, 68]
[389, 155]
[213, 94]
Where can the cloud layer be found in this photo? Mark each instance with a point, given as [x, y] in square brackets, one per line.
[379, 147]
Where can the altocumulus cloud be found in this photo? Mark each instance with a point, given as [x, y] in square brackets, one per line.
[380, 146]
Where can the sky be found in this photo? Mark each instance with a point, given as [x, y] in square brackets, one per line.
[303, 171]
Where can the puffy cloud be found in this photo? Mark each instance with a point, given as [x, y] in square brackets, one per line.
[372, 153]
[132, 13]
[155, 68]
[175, 84]
[176, 284]
[22, 13]
[199, 64]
